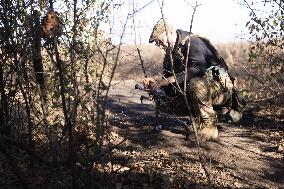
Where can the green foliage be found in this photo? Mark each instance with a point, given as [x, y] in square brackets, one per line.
[266, 54]
[266, 29]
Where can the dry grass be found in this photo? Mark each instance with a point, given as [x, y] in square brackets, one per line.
[130, 66]
[255, 80]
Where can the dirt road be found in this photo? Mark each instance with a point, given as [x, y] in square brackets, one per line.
[246, 155]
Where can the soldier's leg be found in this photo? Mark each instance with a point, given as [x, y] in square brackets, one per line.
[201, 98]
[223, 95]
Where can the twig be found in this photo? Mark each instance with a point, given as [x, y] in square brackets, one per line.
[268, 98]
[102, 107]
[192, 17]
[200, 153]
[260, 81]
[144, 6]
[138, 50]
[261, 25]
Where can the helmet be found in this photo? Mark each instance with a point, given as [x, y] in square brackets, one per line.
[160, 27]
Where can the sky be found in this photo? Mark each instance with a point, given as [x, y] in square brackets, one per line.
[219, 20]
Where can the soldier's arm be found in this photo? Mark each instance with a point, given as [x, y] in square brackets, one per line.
[191, 73]
[196, 64]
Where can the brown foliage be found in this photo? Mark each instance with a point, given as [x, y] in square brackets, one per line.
[51, 25]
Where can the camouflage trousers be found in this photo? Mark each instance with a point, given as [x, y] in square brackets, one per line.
[213, 89]
[203, 93]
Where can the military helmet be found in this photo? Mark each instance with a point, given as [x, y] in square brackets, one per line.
[158, 29]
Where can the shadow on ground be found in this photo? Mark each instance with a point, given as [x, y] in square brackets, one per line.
[246, 152]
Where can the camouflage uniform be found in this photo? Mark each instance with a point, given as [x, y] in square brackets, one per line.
[208, 81]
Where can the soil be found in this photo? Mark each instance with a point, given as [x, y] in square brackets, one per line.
[247, 154]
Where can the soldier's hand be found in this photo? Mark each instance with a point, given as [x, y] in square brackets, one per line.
[148, 83]
[158, 84]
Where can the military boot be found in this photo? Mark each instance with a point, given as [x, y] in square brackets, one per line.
[235, 115]
[208, 130]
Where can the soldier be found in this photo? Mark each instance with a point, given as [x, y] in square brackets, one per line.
[208, 82]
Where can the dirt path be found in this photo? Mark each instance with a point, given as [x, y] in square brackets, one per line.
[246, 154]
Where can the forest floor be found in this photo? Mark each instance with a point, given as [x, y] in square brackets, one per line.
[247, 154]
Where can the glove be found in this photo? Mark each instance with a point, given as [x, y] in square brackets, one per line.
[159, 84]
[153, 85]
[148, 82]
